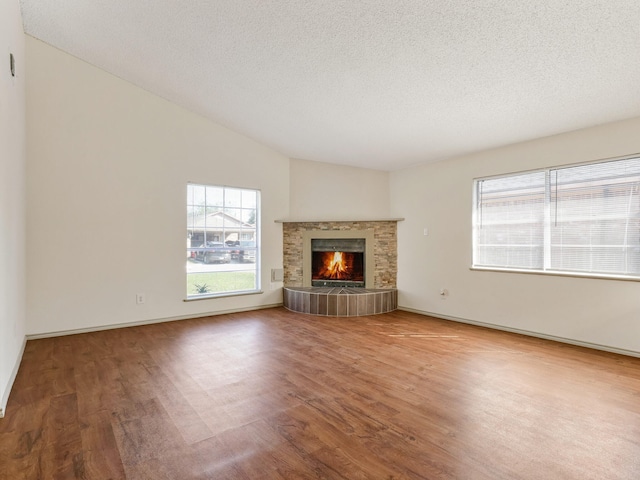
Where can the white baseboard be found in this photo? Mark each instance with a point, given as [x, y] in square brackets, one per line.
[570, 341]
[14, 373]
[99, 328]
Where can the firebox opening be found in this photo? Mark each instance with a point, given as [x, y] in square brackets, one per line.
[334, 268]
[338, 262]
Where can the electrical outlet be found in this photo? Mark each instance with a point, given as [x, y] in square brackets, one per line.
[141, 298]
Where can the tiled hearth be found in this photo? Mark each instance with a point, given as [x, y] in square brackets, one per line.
[340, 301]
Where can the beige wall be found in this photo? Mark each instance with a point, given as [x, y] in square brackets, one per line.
[12, 197]
[108, 165]
[439, 197]
[322, 191]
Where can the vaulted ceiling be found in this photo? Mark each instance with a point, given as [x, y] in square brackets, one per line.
[381, 84]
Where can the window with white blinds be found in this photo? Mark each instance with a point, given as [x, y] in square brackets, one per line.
[582, 219]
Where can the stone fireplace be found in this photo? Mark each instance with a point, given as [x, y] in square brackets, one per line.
[380, 255]
[340, 268]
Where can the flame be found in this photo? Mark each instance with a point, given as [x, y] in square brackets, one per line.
[335, 267]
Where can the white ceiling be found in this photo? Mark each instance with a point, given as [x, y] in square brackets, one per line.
[381, 84]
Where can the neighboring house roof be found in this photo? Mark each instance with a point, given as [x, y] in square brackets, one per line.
[218, 221]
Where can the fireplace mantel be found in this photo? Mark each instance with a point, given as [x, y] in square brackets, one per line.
[306, 220]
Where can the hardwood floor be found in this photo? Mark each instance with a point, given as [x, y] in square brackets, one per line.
[273, 394]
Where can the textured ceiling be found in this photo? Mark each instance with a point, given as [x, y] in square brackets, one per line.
[381, 84]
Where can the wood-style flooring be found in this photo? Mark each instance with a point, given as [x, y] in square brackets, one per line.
[272, 394]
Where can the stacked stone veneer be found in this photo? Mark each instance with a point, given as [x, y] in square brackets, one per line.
[384, 251]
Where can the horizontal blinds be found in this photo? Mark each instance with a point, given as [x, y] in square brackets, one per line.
[595, 224]
[582, 219]
[510, 221]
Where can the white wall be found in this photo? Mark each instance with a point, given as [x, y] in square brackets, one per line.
[108, 165]
[439, 196]
[322, 191]
[12, 197]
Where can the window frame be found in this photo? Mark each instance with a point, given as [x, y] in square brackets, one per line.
[222, 208]
[546, 269]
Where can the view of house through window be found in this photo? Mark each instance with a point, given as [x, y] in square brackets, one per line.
[223, 248]
[581, 219]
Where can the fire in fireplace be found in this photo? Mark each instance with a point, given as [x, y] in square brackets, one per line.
[338, 262]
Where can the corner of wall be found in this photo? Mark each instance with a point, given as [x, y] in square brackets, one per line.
[12, 196]
[12, 379]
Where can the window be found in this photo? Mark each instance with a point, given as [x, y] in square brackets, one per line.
[223, 241]
[582, 219]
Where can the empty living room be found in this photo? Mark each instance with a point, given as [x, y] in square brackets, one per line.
[412, 244]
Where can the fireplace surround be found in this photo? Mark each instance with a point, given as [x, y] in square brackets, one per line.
[323, 247]
[380, 256]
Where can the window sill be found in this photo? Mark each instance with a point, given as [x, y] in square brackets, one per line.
[209, 296]
[556, 273]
